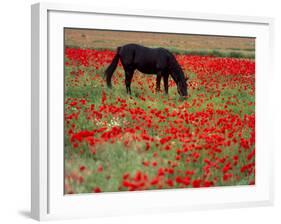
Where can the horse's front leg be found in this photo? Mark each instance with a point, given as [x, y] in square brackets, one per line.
[158, 81]
[166, 79]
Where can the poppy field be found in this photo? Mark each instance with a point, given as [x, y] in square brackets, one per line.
[147, 140]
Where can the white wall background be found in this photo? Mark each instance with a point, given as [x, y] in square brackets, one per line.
[15, 110]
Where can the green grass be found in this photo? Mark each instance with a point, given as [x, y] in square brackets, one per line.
[116, 159]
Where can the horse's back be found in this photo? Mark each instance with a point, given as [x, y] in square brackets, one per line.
[142, 50]
[146, 60]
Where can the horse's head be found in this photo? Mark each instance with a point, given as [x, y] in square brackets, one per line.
[182, 87]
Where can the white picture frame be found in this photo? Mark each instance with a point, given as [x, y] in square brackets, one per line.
[48, 201]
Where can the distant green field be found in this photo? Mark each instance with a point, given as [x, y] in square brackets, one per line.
[180, 44]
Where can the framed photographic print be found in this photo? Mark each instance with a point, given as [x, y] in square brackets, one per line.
[139, 111]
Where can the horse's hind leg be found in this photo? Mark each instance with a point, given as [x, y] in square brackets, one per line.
[158, 81]
[166, 79]
[128, 79]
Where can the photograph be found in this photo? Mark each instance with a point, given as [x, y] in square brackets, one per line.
[152, 111]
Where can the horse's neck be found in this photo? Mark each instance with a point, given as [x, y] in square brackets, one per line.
[174, 77]
[175, 69]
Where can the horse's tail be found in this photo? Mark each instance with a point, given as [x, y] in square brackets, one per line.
[111, 68]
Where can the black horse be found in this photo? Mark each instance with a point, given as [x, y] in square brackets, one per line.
[157, 61]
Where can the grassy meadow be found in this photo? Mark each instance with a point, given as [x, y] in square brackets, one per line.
[148, 140]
